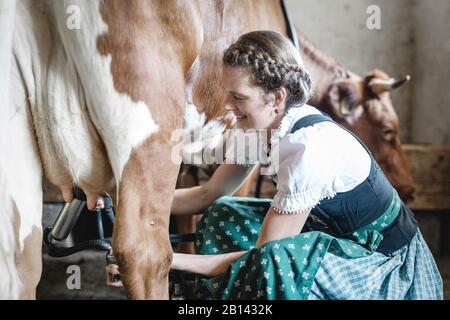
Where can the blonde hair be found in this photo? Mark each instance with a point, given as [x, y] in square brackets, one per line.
[273, 62]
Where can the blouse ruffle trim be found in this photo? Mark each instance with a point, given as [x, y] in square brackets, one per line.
[300, 202]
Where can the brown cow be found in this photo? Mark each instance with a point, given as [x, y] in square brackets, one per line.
[363, 106]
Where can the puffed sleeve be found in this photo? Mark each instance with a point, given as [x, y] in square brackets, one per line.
[306, 170]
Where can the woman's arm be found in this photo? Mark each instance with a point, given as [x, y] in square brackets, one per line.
[207, 265]
[225, 180]
[278, 226]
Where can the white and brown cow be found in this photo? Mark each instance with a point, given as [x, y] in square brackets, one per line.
[96, 106]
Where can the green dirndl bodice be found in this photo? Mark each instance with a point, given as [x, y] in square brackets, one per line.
[281, 269]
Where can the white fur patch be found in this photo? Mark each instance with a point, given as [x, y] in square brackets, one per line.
[7, 27]
[76, 109]
[121, 123]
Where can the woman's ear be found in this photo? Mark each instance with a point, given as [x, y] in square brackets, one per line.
[280, 97]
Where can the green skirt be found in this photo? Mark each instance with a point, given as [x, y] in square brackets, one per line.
[281, 269]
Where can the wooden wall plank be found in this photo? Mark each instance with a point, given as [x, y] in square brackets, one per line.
[430, 167]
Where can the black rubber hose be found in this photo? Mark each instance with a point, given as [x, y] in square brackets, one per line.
[58, 252]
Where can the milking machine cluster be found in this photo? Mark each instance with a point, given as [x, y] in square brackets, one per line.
[77, 228]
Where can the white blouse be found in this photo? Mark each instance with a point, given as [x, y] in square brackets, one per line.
[314, 163]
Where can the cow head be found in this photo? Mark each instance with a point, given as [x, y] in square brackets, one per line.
[363, 105]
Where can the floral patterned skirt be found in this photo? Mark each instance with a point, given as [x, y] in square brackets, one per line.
[310, 265]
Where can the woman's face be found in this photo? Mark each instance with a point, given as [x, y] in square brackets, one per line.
[252, 107]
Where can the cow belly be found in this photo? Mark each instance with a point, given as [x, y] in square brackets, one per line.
[71, 142]
[70, 148]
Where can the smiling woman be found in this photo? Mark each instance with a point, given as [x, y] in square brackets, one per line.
[276, 79]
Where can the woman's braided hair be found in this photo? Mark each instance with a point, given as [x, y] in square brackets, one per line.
[273, 62]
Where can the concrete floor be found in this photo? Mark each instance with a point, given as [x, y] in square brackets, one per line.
[53, 283]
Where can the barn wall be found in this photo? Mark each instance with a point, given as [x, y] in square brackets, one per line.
[431, 117]
[413, 40]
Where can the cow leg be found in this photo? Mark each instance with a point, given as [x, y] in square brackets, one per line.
[20, 178]
[29, 251]
[21, 244]
[187, 225]
[141, 242]
[22, 191]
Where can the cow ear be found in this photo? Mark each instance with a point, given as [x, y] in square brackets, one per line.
[348, 98]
